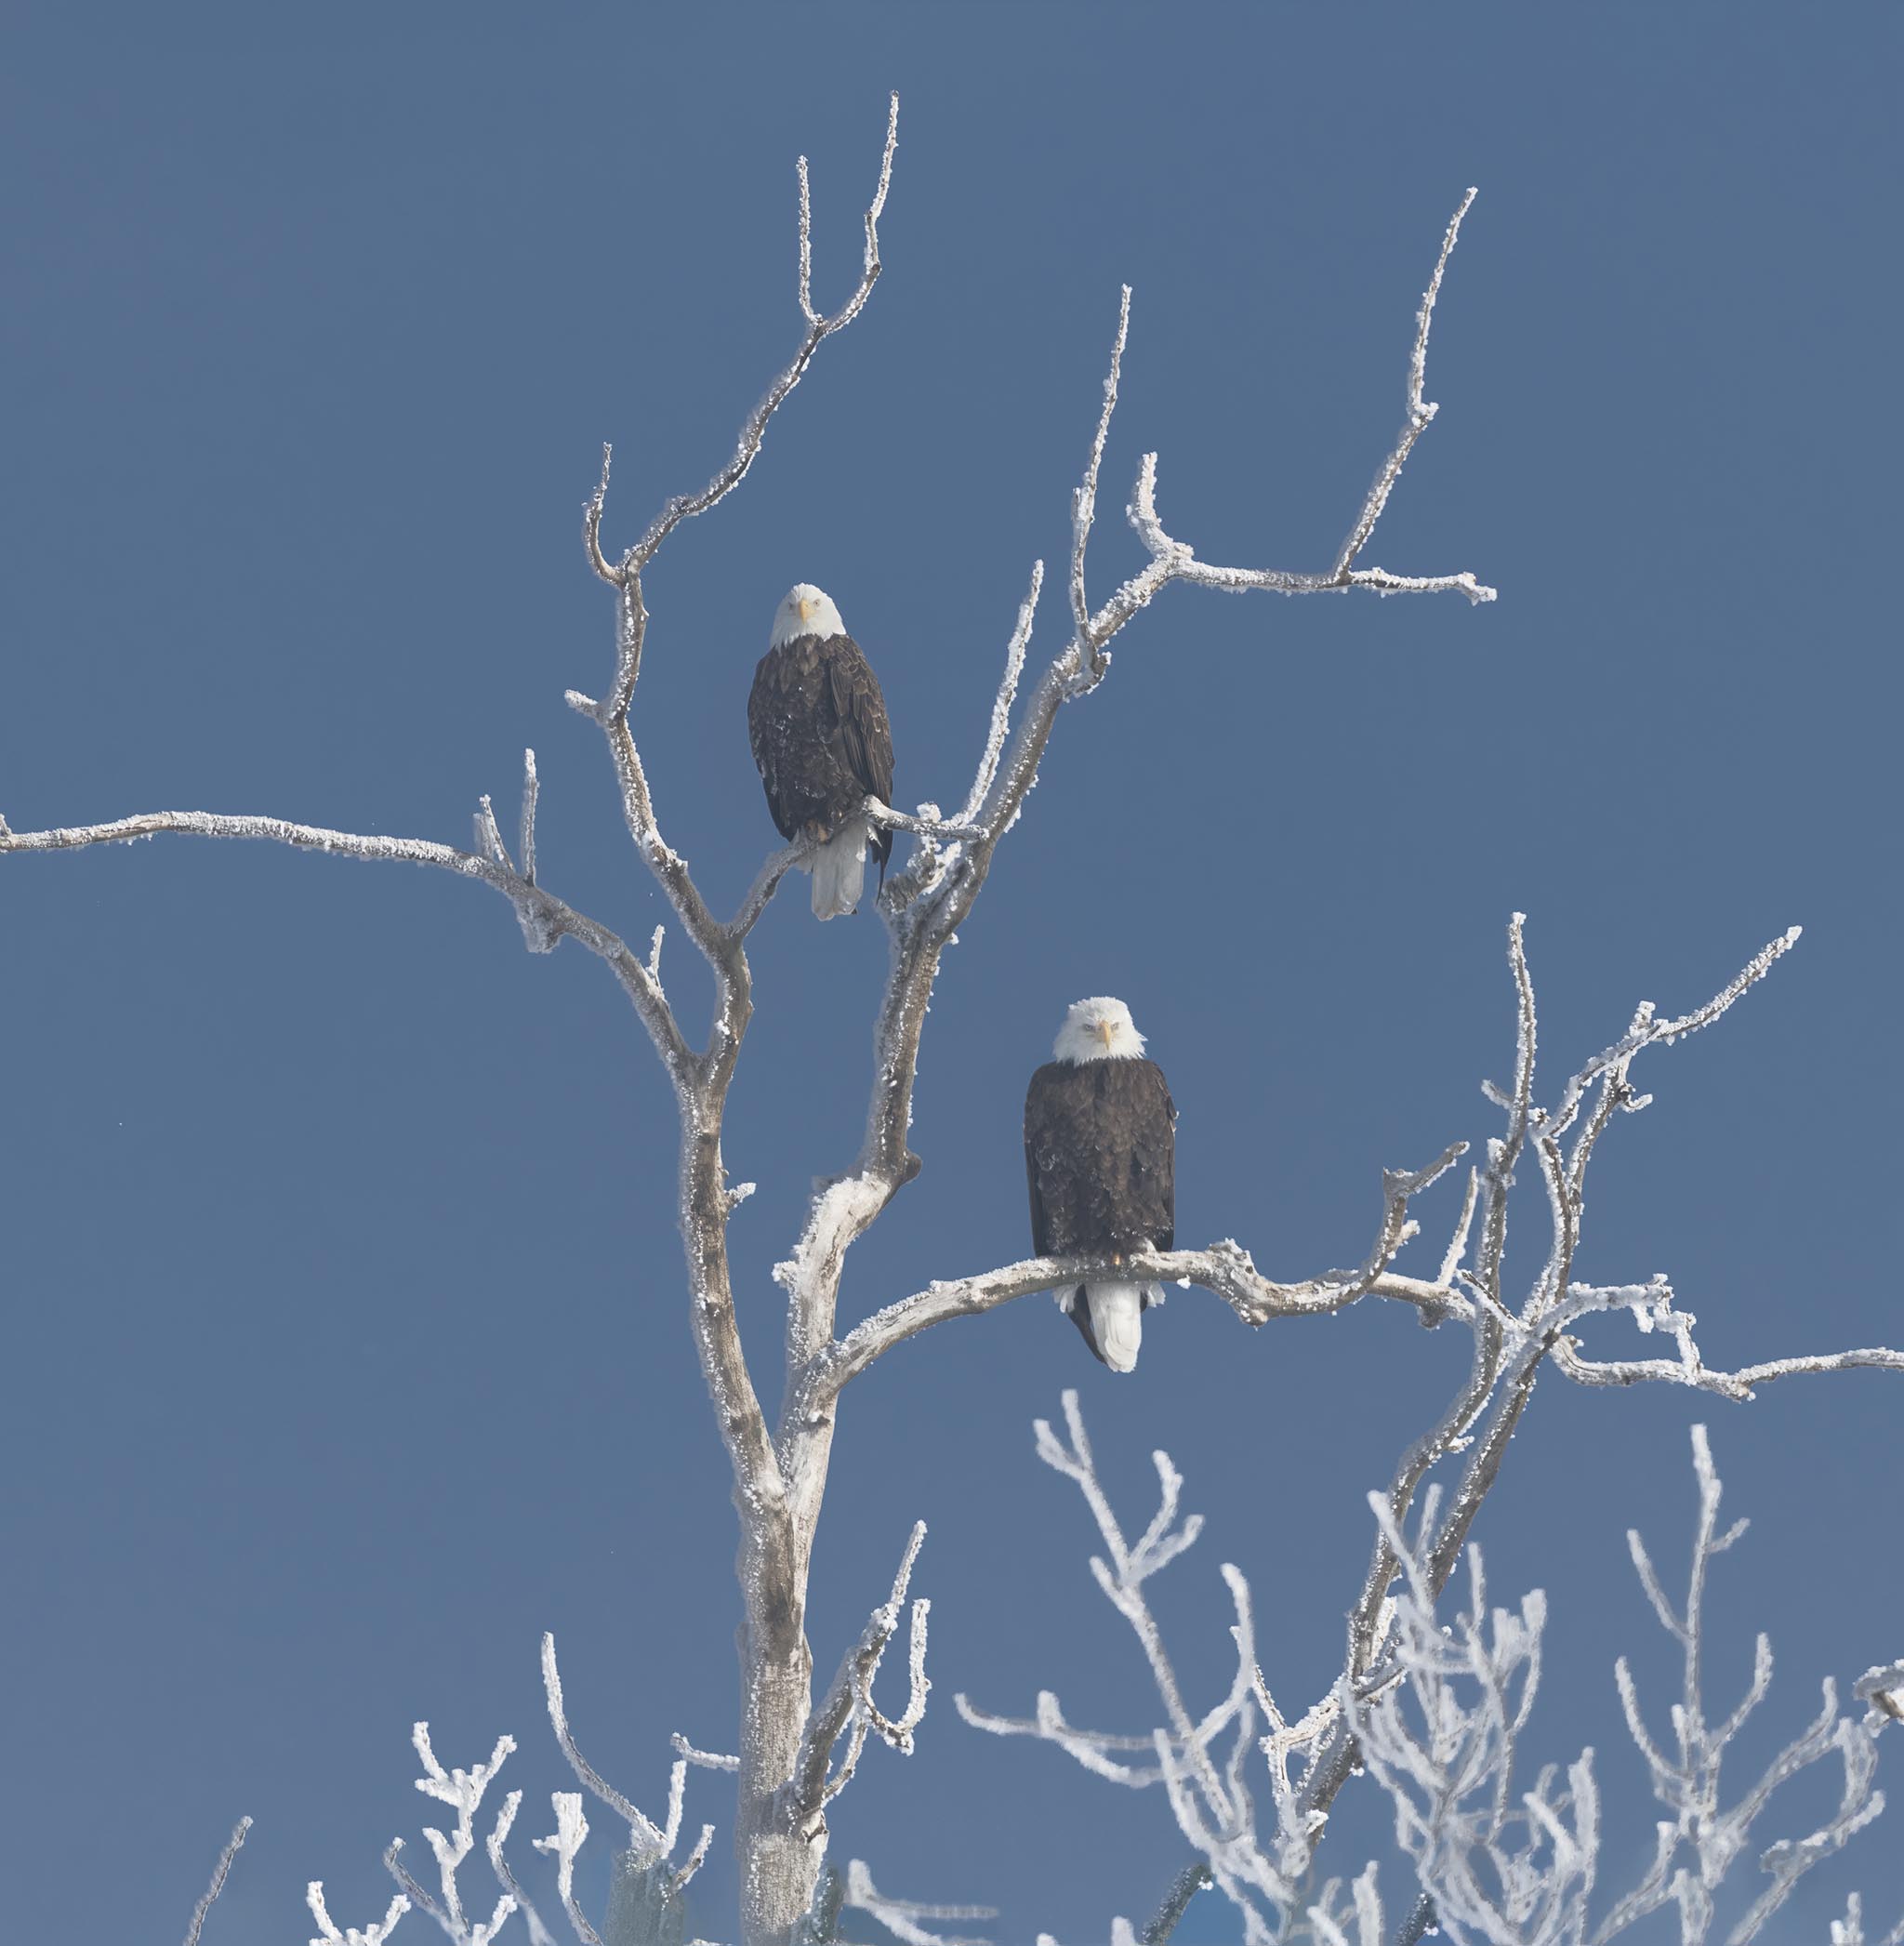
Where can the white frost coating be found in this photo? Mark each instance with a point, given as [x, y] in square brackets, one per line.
[1437, 1722]
[1208, 1796]
[1516, 1870]
[571, 1831]
[1000, 725]
[1702, 1840]
[233, 1845]
[462, 1791]
[902, 1917]
[707, 1759]
[848, 1710]
[328, 1933]
[1331, 1922]
[540, 1935]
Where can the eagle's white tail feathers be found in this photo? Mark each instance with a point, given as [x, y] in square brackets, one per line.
[1117, 1321]
[839, 871]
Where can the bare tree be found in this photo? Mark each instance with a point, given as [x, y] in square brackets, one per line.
[794, 1758]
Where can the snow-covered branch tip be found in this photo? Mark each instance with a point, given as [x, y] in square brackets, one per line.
[463, 1791]
[645, 1837]
[571, 1832]
[1173, 559]
[1084, 499]
[1508, 1868]
[904, 1918]
[372, 1935]
[233, 1845]
[1437, 1727]
[1016, 646]
[746, 448]
[1418, 412]
[532, 790]
[847, 1709]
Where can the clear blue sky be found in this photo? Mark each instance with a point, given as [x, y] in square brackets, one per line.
[347, 1343]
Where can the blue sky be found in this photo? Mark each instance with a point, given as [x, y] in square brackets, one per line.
[347, 1344]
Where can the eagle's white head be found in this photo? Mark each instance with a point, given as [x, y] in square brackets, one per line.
[1098, 1029]
[806, 611]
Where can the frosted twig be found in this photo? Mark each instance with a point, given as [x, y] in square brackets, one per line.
[1506, 1874]
[462, 1791]
[1173, 559]
[685, 505]
[571, 1831]
[848, 1708]
[707, 1759]
[1001, 726]
[902, 1917]
[374, 1935]
[233, 1845]
[1084, 500]
[1419, 412]
[540, 1935]
[1736, 1385]
[545, 919]
[489, 835]
[645, 1835]
[1331, 1925]
[532, 789]
[1648, 1030]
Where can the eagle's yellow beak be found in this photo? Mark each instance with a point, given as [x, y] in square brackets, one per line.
[1106, 1029]
[806, 611]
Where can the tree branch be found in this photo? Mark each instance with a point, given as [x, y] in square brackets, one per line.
[233, 1845]
[1226, 1269]
[545, 919]
[848, 1708]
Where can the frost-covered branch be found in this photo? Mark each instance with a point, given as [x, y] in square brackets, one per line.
[1515, 1337]
[233, 1845]
[328, 1933]
[1224, 1268]
[647, 1840]
[848, 1710]
[904, 1918]
[1510, 1871]
[545, 919]
[567, 1839]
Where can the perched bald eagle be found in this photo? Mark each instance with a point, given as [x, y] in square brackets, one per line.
[1100, 1153]
[822, 745]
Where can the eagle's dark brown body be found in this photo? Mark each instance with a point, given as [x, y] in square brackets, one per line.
[1100, 1154]
[821, 740]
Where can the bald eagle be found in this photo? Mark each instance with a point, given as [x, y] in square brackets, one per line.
[822, 745]
[1100, 1154]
